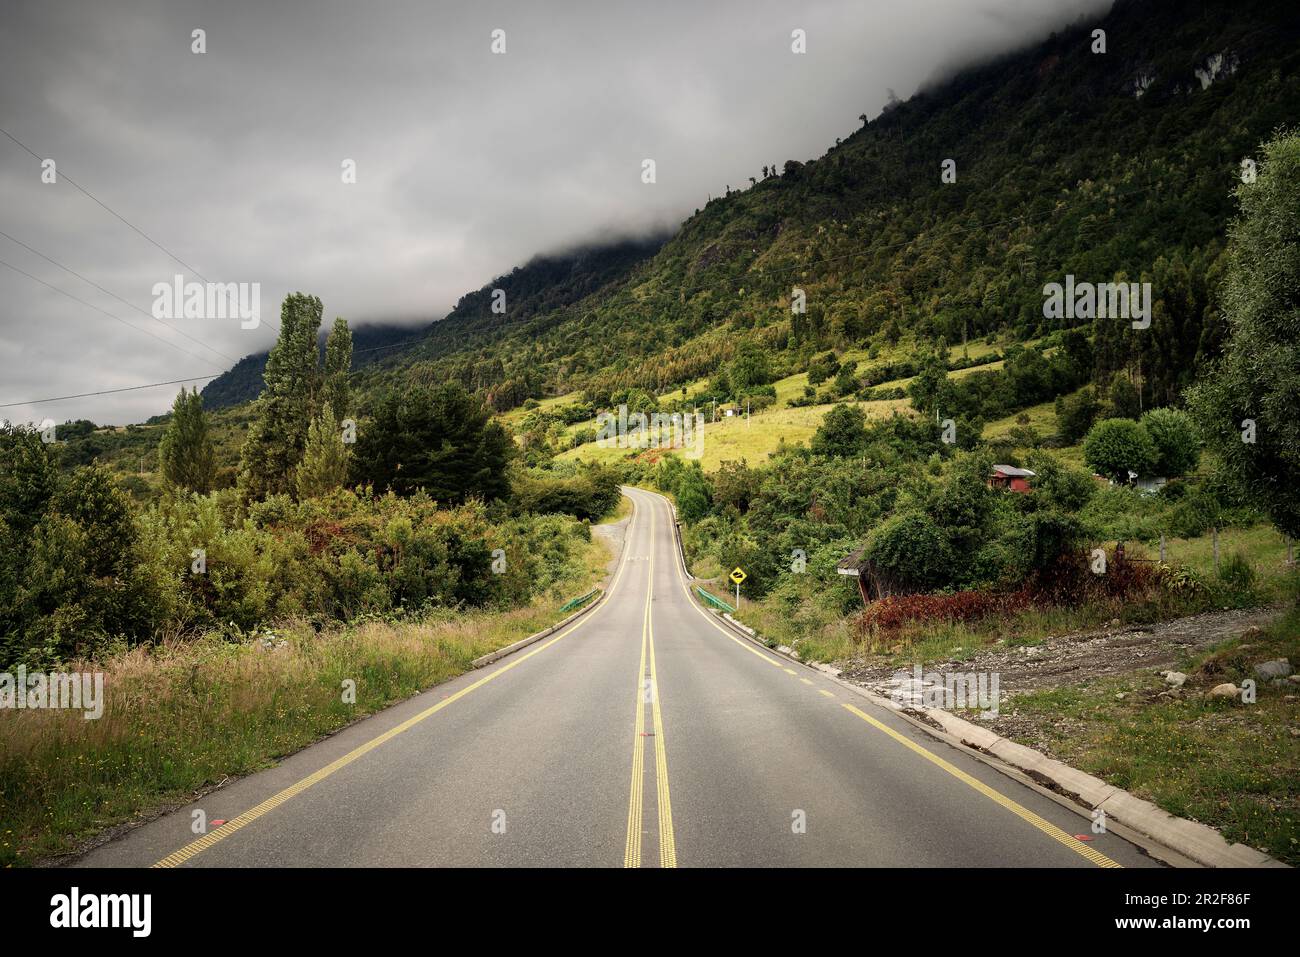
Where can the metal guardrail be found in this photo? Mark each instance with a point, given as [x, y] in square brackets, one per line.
[580, 600]
[714, 600]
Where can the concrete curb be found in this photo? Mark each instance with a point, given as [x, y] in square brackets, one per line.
[1197, 842]
[525, 642]
[552, 629]
[677, 537]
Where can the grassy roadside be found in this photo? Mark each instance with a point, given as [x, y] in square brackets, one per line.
[1233, 766]
[181, 717]
[820, 633]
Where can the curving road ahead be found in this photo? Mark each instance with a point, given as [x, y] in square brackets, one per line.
[645, 734]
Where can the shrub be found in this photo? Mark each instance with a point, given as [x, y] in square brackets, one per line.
[1176, 442]
[892, 613]
[842, 432]
[1115, 447]
[912, 550]
[1237, 580]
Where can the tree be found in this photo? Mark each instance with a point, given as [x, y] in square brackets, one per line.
[1076, 413]
[846, 383]
[440, 440]
[29, 476]
[186, 455]
[736, 484]
[1246, 407]
[842, 432]
[1115, 447]
[324, 465]
[693, 494]
[1124, 399]
[1058, 486]
[78, 583]
[749, 368]
[338, 363]
[822, 368]
[912, 550]
[284, 410]
[929, 390]
[1177, 444]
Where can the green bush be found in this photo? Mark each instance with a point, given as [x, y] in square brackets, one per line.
[1115, 447]
[1176, 442]
[912, 550]
[93, 572]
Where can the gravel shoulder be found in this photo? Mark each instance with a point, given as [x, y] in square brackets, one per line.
[1072, 659]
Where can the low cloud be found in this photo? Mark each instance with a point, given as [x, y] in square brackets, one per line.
[468, 163]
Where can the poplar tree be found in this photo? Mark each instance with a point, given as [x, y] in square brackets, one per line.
[186, 455]
[338, 363]
[283, 412]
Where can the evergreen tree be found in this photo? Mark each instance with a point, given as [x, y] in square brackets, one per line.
[325, 458]
[186, 455]
[441, 441]
[929, 389]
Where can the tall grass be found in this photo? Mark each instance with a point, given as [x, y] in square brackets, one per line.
[182, 716]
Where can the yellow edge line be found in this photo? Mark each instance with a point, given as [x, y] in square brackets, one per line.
[1047, 827]
[248, 817]
[1051, 830]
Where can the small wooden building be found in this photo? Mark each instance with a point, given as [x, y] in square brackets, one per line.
[1008, 476]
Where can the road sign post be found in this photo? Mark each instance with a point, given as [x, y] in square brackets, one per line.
[738, 575]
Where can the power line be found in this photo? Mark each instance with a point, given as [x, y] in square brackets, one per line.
[129, 388]
[95, 199]
[104, 312]
[108, 292]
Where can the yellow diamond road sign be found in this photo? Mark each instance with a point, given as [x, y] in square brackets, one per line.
[738, 575]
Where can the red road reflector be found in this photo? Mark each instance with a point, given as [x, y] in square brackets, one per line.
[218, 822]
[1083, 837]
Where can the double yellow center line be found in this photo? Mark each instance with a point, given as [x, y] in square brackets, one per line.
[647, 693]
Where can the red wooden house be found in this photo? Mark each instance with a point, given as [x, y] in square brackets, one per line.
[1008, 476]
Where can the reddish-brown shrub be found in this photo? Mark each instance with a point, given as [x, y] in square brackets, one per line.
[895, 611]
[1069, 582]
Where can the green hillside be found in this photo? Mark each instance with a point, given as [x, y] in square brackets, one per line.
[883, 248]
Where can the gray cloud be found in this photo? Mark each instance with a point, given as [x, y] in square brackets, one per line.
[467, 163]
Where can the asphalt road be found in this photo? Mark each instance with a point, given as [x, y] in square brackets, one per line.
[645, 735]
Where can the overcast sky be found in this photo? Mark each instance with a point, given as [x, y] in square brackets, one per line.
[467, 162]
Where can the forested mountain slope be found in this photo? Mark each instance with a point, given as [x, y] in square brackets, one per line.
[883, 247]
